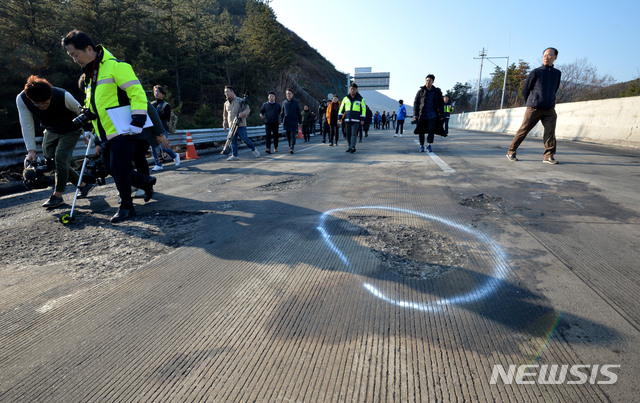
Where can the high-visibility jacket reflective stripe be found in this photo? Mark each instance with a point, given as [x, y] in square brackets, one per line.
[116, 85]
[351, 109]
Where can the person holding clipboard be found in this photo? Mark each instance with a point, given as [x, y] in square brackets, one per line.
[111, 87]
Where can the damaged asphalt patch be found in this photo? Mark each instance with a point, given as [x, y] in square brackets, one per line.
[409, 251]
[85, 247]
[288, 183]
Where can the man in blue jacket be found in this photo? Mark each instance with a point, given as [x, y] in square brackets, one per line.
[540, 90]
[402, 115]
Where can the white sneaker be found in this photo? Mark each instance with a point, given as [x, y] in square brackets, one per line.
[139, 194]
[157, 168]
[256, 152]
[395, 135]
[399, 135]
[177, 160]
[232, 158]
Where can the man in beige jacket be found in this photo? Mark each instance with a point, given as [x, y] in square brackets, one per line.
[233, 108]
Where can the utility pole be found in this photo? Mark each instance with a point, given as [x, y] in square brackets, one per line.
[504, 83]
[482, 54]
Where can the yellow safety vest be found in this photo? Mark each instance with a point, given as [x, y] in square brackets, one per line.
[114, 77]
[355, 110]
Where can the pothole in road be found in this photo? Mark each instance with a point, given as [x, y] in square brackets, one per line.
[410, 251]
[288, 183]
[483, 202]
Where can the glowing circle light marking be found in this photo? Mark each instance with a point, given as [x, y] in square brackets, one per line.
[500, 268]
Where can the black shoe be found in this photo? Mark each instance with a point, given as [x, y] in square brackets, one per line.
[330, 144]
[353, 150]
[324, 141]
[268, 151]
[291, 151]
[54, 201]
[348, 150]
[148, 192]
[84, 190]
[123, 214]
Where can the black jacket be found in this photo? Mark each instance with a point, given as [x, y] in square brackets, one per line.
[419, 101]
[271, 112]
[56, 117]
[540, 88]
[290, 115]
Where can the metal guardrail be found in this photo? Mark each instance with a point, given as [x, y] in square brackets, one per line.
[12, 151]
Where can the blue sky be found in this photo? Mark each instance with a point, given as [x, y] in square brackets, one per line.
[413, 38]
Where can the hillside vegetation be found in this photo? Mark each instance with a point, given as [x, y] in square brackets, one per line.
[193, 47]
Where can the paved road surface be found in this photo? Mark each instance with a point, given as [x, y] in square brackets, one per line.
[384, 275]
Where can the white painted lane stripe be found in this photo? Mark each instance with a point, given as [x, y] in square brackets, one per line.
[443, 165]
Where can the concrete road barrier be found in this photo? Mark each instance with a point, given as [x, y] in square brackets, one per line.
[614, 122]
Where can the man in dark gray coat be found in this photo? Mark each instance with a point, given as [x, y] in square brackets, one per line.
[540, 90]
[291, 116]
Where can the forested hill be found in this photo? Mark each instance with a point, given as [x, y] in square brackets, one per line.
[193, 47]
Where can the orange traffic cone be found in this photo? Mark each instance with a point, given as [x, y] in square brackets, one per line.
[191, 149]
[300, 132]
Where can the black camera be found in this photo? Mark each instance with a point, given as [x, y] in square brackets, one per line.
[95, 171]
[244, 99]
[84, 117]
[33, 174]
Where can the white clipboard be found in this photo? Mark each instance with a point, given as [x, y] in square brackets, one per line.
[121, 118]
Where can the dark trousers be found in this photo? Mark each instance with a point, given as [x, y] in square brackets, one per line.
[292, 135]
[446, 125]
[117, 155]
[400, 126]
[59, 147]
[430, 128]
[271, 130]
[140, 157]
[324, 128]
[333, 134]
[532, 116]
[306, 131]
[351, 128]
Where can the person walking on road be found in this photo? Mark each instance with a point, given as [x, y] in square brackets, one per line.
[540, 90]
[333, 121]
[354, 109]
[402, 115]
[233, 109]
[307, 122]
[270, 112]
[56, 110]
[322, 119]
[291, 117]
[164, 113]
[428, 110]
[448, 108]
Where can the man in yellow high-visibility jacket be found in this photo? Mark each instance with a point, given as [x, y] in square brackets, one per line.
[354, 110]
[110, 83]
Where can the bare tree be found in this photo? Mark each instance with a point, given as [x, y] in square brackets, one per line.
[581, 82]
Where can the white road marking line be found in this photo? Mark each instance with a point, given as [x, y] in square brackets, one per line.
[443, 165]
